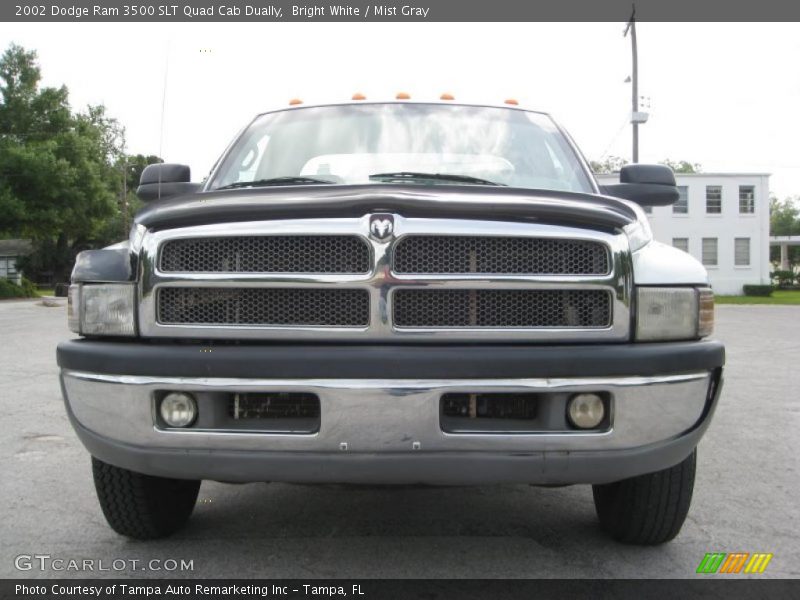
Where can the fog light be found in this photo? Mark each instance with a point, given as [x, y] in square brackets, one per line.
[178, 409]
[586, 411]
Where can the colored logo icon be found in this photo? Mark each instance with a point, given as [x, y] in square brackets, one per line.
[734, 562]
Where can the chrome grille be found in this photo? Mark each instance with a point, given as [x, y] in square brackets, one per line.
[501, 255]
[434, 279]
[264, 306]
[267, 254]
[438, 308]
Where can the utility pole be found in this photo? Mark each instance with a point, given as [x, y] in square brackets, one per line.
[634, 84]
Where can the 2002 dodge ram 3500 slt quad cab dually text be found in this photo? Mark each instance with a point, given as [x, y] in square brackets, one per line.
[394, 293]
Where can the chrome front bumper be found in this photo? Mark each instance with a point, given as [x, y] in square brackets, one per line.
[388, 431]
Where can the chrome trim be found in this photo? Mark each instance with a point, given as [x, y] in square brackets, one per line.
[389, 415]
[136, 237]
[381, 281]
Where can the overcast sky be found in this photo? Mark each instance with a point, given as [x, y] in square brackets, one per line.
[726, 96]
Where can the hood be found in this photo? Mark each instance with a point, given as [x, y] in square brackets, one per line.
[439, 201]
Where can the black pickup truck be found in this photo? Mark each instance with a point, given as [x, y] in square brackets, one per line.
[394, 293]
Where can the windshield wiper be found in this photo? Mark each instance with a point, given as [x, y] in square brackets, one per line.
[289, 180]
[408, 176]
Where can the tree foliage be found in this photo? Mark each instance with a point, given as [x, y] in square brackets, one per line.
[61, 171]
[784, 219]
[613, 164]
[784, 216]
[682, 166]
[134, 165]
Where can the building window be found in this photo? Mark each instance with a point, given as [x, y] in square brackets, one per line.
[8, 267]
[681, 244]
[710, 252]
[741, 252]
[681, 207]
[713, 199]
[747, 199]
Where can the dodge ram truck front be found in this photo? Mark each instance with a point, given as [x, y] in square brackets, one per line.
[394, 293]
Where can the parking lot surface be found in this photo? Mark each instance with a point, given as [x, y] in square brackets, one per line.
[745, 499]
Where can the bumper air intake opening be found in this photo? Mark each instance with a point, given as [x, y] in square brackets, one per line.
[512, 412]
[469, 413]
[253, 412]
[274, 405]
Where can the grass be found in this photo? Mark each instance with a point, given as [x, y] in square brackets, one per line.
[778, 297]
[46, 291]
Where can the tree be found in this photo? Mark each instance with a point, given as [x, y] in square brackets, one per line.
[613, 164]
[784, 219]
[129, 168]
[27, 113]
[682, 166]
[784, 216]
[58, 177]
[135, 164]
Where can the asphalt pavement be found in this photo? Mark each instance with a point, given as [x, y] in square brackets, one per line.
[745, 499]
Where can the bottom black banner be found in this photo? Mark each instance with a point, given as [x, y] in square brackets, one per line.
[390, 589]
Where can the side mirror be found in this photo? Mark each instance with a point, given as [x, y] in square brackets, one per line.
[164, 180]
[647, 185]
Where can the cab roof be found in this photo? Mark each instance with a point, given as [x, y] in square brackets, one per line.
[402, 98]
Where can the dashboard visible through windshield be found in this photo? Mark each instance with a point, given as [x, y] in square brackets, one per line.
[401, 143]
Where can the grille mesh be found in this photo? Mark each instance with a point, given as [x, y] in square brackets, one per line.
[530, 256]
[267, 254]
[263, 306]
[502, 308]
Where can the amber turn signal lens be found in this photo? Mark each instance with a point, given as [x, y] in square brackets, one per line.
[705, 320]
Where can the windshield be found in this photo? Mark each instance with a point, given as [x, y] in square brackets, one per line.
[432, 144]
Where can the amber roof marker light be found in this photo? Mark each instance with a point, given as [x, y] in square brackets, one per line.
[359, 96]
[446, 96]
[295, 101]
[403, 96]
[512, 102]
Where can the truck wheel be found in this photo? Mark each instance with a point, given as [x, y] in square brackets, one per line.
[142, 506]
[648, 509]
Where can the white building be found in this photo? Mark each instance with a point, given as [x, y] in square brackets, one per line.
[722, 219]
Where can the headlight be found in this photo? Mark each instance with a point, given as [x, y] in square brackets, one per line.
[102, 309]
[673, 313]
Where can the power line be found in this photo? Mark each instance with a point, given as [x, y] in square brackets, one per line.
[614, 138]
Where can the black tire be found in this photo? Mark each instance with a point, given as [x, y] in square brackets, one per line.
[648, 509]
[142, 506]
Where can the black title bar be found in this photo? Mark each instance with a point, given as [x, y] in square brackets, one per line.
[271, 11]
